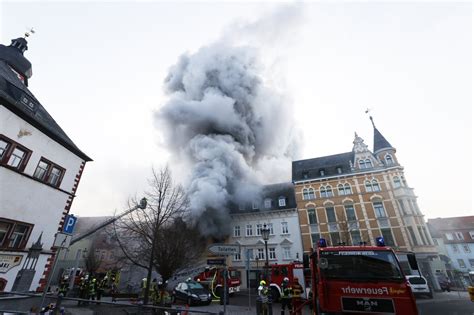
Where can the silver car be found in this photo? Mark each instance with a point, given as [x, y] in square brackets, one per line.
[419, 286]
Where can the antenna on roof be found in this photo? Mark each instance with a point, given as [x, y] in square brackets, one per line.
[29, 32]
[370, 116]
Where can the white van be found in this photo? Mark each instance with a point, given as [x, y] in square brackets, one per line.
[419, 286]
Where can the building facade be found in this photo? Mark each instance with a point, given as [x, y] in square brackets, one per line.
[40, 170]
[455, 240]
[277, 211]
[356, 196]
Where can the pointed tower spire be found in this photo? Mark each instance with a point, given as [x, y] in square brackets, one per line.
[379, 141]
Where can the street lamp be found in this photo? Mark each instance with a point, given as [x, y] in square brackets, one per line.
[265, 235]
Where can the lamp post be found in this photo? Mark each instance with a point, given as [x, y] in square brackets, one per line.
[265, 235]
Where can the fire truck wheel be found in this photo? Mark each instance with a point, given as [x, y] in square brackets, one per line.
[275, 294]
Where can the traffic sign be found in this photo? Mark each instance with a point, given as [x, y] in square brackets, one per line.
[224, 249]
[69, 224]
[216, 261]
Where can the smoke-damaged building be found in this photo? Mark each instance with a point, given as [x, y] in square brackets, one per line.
[276, 209]
[356, 196]
[40, 170]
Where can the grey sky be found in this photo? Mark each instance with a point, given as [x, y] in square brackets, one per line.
[98, 68]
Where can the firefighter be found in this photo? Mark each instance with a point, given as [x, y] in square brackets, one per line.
[286, 294]
[92, 289]
[263, 295]
[83, 288]
[63, 286]
[113, 290]
[296, 299]
[154, 291]
[101, 285]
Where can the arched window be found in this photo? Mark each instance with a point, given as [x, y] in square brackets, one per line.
[347, 189]
[396, 182]
[329, 191]
[340, 190]
[323, 192]
[368, 186]
[388, 159]
[375, 185]
[361, 164]
[305, 194]
[368, 163]
[311, 194]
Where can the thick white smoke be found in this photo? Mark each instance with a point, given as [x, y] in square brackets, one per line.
[233, 130]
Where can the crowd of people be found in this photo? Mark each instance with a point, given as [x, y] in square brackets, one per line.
[290, 297]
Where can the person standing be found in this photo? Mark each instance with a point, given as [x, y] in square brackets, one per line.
[263, 295]
[92, 289]
[296, 299]
[101, 285]
[286, 294]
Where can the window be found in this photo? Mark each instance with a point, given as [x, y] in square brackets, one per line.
[356, 239]
[249, 230]
[271, 253]
[412, 234]
[322, 191]
[471, 262]
[254, 205]
[402, 206]
[423, 238]
[375, 185]
[368, 186]
[331, 214]
[308, 194]
[259, 230]
[284, 228]
[315, 238]
[388, 237]
[379, 210]
[287, 253]
[361, 164]
[347, 189]
[312, 219]
[455, 248]
[282, 201]
[260, 253]
[471, 234]
[449, 236]
[14, 234]
[368, 163]
[340, 190]
[335, 238]
[339, 170]
[241, 206]
[459, 236]
[237, 257]
[305, 174]
[13, 154]
[461, 263]
[350, 213]
[322, 172]
[329, 191]
[237, 231]
[49, 172]
[396, 182]
[250, 253]
[466, 248]
[268, 203]
[388, 159]
[270, 227]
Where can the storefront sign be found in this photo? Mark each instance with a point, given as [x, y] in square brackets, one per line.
[7, 262]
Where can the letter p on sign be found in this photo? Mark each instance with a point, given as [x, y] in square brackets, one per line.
[69, 224]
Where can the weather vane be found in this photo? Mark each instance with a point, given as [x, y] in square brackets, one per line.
[29, 32]
[370, 116]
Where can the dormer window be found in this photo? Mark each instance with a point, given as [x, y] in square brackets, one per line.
[388, 159]
[241, 206]
[255, 205]
[361, 164]
[305, 174]
[267, 203]
[368, 163]
[321, 172]
[282, 201]
[339, 170]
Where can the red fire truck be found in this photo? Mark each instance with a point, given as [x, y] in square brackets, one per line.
[213, 278]
[360, 279]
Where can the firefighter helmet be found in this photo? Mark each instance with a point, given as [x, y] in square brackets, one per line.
[263, 282]
[286, 279]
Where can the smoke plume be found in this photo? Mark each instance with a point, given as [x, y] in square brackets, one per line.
[227, 124]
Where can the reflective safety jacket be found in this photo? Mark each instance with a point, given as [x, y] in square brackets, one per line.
[287, 291]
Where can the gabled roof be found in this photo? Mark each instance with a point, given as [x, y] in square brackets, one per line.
[454, 223]
[15, 96]
[310, 169]
[379, 141]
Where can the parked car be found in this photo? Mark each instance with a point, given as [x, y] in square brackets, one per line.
[192, 293]
[419, 286]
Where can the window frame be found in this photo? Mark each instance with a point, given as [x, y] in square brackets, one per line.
[350, 206]
[285, 227]
[287, 253]
[47, 176]
[282, 201]
[459, 236]
[7, 153]
[397, 183]
[267, 203]
[333, 212]
[237, 229]
[347, 189]
[376, 212]
[5, 244]
[272, 253]
[248, 230]
[340, 190]
[461, 263]
[312, 210]
[388, 157]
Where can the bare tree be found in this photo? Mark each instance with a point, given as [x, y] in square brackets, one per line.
[149, 237]
[92, 261]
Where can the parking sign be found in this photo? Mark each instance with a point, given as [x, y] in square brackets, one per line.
[69, 224]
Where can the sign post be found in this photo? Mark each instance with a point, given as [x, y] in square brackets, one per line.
[223, 250]
[247, 266]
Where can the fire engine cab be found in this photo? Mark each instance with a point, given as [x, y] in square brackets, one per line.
[360, 279]
[278, 272]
